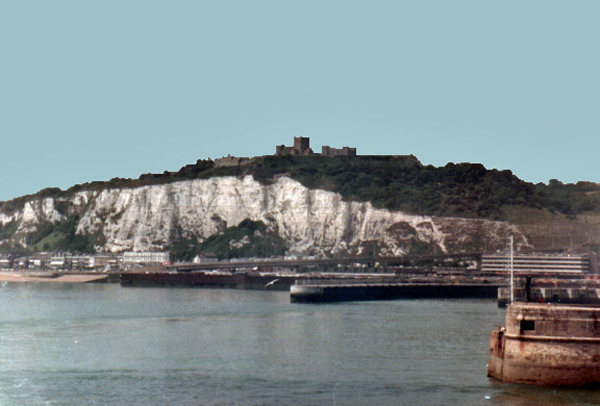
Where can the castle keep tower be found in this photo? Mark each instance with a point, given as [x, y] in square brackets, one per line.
[302, 144]
[301, 147]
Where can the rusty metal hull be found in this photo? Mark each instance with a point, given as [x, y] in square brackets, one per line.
[547, 344]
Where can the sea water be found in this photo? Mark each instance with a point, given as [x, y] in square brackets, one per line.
[102, 344]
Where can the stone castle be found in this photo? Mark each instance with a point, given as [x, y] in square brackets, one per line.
[302, 147]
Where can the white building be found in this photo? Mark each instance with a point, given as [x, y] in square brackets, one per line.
[57, 263]
[133, 259]
[537, 264]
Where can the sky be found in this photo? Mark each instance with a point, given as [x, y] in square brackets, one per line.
[92, 90]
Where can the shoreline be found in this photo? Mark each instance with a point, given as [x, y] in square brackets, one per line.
[8, 276]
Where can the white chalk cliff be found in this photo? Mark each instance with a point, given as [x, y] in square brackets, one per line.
[315, 222]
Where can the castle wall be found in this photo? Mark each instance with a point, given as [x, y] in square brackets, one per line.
[231, 161]
[331, 152]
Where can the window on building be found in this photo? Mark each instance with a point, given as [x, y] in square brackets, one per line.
[527, 325]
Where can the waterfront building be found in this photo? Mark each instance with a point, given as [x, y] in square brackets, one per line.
[80, 262]
[38, 261]
[57, 263]
[104, 262]
[6, 261]
[206, 258]
[541, 264]
[132, 259]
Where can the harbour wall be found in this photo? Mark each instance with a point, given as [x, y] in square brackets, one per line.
[207, 280]
[325, 289]
[547, 344]
[348, 293]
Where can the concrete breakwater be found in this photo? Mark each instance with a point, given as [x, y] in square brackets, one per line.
[209, 280]
[547, 344]
[324, 292]
[319, 288]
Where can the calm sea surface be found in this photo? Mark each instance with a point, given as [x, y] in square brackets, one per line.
[81, 344]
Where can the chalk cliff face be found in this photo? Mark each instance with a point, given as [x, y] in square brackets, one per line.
[311, 221]
[32, 214]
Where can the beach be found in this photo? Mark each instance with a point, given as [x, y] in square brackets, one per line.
[8, 276]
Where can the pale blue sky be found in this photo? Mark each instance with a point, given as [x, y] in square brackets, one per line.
[95, 90]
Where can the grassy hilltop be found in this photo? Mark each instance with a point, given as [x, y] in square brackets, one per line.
[552, 215]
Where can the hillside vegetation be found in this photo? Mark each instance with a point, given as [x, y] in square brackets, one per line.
[391, 182]
[248, 239]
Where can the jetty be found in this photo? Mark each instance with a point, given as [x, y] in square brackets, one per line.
[364, 289]
[326, 287]
[146, 277]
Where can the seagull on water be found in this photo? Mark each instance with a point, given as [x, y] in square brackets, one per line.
[271, 283]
